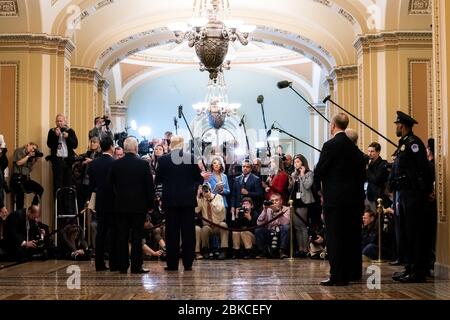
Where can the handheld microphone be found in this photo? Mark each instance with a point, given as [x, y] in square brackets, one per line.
[269, 133]
[260, 99]
[242, 121]
[327, 98]
[284, 84]
[175, 122]
[180, 111]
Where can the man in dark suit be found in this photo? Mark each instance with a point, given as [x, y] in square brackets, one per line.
[131, 190]
[98, 171]
[180, 177]
[62, 142]
[246, 185]
[340, 175]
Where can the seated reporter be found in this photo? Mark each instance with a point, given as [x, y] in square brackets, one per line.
[211, 206]
[74, 245]
[273, 208]
[24, 159]
[27, 238]
[244, 218]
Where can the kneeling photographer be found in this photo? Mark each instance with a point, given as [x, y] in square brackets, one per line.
[24, 159]
[244, 218]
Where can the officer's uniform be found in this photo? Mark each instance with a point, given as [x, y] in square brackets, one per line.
[411, 180]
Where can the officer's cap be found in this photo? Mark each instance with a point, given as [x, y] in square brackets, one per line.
[403, 118]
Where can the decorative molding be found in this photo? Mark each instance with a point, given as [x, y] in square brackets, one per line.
[417, 7]
[103, 85]
[393, 41]
[322, 108]
[85, 74]
[411, 62]
[67, 91]
[439, 114]
[344, 72]
[118, 111]
[9, 8]
[37, 43]
[16, 65]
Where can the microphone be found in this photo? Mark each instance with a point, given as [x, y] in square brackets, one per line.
[260, 99]
[269, 133]
[327, 98]
[284, 84]
[180, 111]
[242, 121]
[175, 122]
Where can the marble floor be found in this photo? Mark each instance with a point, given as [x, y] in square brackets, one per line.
[210, 280]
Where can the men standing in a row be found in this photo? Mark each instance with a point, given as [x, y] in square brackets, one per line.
[62, 141]
[180, 177]
[341, 173]
[98, 171]
[131, 191]
[411, 179]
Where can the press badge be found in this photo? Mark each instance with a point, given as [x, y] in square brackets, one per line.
[299, 195]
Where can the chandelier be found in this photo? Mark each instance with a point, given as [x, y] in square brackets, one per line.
[216, 105]
[210, 30]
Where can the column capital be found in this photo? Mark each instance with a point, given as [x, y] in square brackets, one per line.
[103, 84]
[85, 74]
[43, 43]
[393, 41]
[118, 110]
[322, 108]
[343, 72]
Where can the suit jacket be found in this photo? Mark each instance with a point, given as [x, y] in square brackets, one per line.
[16, 229]
[130, 186]
[180, 177]
[340, 172]
[226, 187]
[2, 194]
[98, 171]
[71, 141]
[253, 187]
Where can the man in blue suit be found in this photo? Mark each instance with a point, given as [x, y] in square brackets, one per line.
[246, 185]
[98, 171]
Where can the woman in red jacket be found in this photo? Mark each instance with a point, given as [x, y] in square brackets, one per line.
[278, 182]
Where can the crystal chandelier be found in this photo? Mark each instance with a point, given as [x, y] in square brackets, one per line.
[216, 105]
[210, 30]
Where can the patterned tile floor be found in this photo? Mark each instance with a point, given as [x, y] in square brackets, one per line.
[224, 280]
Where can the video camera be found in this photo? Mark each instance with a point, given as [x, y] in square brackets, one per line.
[37, 155]
[268, 203]
[241, 212]
[107, 121]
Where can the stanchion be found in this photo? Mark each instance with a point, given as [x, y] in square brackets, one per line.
[291, 230]
[380, 212]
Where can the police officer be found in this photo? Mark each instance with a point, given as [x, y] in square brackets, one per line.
[411, 180]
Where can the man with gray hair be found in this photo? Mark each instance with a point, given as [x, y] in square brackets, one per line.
[131, 190]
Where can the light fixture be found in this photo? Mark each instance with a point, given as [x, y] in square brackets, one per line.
[216, 105]
[210, 30]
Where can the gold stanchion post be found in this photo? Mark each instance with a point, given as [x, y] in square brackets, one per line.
[291, 229]
[380, 212]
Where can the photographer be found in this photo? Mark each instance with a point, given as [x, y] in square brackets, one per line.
[3, 163]
[62, 141]
[279, 228]
[211, 206]
[27, 238]
[101, 128]
[74, 247]
[244, 217]
[24, 159]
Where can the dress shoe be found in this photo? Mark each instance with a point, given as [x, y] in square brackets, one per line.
[398, 275]
[355, 278]
[330, 283]
[141, 270]
[170, 269]
[395, 263]
[187, 268]
[412, 278]
[102, 268]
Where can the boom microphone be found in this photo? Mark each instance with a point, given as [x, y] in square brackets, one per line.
[284, 84]
[260, 99]
[327, 98]
[269, 133]
[180, 111]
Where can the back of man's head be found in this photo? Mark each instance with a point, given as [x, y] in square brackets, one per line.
[352, 134]
[341, 121]
[130, 145]
[106, 144]
[177, 142]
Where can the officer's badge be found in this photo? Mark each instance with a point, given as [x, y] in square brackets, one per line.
[415, 148]
[403, 148]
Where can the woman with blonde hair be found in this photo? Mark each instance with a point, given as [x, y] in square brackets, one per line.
[219, 181]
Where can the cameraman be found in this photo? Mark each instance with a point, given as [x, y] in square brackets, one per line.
[62, 141]
[24, 159]
[211, 207]
[101, 128]
[26, 236]
[244, 217]
[273, 208]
